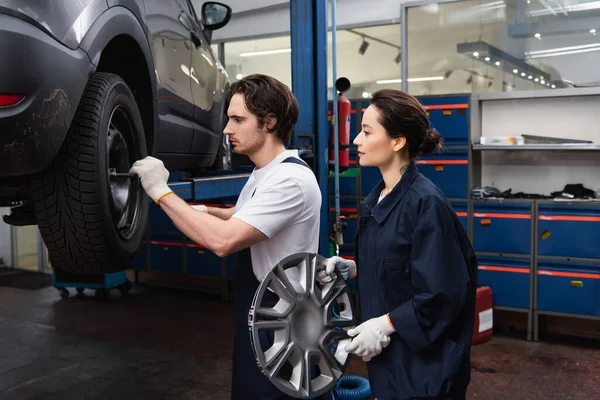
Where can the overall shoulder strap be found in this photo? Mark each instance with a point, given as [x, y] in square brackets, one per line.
[295, 160]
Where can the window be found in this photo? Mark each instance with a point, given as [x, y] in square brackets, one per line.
[487, 45]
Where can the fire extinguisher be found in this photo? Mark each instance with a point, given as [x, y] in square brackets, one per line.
[344, 108]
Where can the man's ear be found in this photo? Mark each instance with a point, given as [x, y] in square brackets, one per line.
[270, 122]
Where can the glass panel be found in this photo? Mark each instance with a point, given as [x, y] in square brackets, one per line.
[368, 57]
[27, 254]
[270, 56]
[492, 46]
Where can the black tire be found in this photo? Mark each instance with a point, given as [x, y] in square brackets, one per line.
[73, 197]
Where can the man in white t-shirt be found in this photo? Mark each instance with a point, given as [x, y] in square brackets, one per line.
[277, 213]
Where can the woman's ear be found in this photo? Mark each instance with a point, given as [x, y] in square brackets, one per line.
[399, 143]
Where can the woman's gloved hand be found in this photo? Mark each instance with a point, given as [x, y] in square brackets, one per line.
[370, 337]
[346, 268]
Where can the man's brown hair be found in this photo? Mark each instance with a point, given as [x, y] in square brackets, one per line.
[265, 97]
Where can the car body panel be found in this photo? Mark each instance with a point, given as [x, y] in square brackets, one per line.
[66, 20]
[55, 50]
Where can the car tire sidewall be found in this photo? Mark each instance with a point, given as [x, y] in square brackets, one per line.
[119, 94]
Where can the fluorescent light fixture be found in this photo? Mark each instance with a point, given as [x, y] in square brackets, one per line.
[592, 5]
[500, 59]
[420, 79]
[593, 31]
[563, 51]
[265, 52]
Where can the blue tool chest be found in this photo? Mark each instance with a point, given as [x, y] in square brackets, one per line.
[448, 170]
[450, 116]
[568, 287]
[502, 228]
[461, 209]
[509, 279]
[569, 230]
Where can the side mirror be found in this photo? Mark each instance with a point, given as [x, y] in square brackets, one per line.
[215, 15]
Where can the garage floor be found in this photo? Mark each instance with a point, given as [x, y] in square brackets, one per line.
[167, 344]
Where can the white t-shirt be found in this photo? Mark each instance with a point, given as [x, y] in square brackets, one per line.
[283, 201]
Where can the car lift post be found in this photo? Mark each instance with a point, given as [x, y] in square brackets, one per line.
[308, 35]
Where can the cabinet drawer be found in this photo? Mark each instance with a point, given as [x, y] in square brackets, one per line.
[502, 228]
[565, 287]
[509, 279]
[449, 171]
[569, 231]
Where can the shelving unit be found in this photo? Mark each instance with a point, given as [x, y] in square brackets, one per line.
[573, 279]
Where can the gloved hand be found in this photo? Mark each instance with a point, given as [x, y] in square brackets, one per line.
[200, 207]
[370, 337]
[154, 177]
[346, 268]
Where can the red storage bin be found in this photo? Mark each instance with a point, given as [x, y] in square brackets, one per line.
[484, 316]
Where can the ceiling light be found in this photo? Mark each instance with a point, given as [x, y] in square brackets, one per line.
[265, 52]
[561, 51]
[543, 82]
[530, 77]
[487, 59]
[593, 31]
[523, 74]
[476, 54]
[536, 79]
[366, 95]
[363, 47]
[538, 35]
[239, 76]
[420, 79]
[497, 63]
[553, 86]
[507, 61]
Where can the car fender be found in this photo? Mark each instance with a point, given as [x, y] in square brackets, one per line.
[114, 22]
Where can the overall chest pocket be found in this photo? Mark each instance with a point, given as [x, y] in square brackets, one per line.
[397, 277]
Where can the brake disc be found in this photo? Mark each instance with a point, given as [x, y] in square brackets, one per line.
[307, 324]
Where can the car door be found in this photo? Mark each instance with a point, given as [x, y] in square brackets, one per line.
[172, 48]
[208, 102]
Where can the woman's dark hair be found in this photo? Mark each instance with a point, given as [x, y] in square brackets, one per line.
[264, 97]
[402, 115]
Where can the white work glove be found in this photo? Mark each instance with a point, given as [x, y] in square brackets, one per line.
[154, 177]
[200, 207]
[370, 337]
[346, 268]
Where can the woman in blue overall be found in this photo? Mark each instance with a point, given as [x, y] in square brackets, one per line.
[417, 271]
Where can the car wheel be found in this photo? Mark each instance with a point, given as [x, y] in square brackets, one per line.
[91, 220]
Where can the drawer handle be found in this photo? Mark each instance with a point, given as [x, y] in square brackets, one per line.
[438, 168]
[485, 222]
[577, 284]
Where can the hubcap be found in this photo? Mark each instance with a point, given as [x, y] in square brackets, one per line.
[308, 322]
[123, 190]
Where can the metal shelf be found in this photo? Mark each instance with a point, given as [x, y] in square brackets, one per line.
[548, 147]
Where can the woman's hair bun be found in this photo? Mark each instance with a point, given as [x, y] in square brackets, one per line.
[432, 143]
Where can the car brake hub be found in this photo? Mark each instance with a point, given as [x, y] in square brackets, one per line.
[298, 327]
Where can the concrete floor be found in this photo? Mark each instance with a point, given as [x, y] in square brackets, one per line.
[167, 344]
